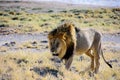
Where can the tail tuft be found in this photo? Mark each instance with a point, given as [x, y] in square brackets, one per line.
[109, 65]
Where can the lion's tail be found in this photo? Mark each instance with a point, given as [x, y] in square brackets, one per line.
[104, 58]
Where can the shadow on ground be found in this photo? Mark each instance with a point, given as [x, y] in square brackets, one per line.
[45, 70]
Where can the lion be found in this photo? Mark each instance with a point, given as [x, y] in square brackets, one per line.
[67, 40]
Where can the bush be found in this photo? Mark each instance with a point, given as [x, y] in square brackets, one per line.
[15, 18]
[50, 11]
[3, 25]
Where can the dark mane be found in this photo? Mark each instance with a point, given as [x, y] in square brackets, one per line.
[63, 28]
[69, 52]
[53, 32]
[77, 29]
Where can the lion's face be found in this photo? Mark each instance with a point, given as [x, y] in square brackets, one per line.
[57, 46]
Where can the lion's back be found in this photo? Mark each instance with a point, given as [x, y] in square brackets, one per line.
[85, 39]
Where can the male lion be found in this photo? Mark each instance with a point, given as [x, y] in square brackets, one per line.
[67, 40]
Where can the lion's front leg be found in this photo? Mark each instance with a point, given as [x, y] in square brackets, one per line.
[68, 62]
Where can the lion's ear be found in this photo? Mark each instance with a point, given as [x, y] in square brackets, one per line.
[62, 36]
[70, 26]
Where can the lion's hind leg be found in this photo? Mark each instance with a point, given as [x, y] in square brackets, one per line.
[97, 63]
[89, 53]
[96, 50]
[96, 53]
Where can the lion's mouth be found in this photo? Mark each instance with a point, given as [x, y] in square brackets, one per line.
[55, 54]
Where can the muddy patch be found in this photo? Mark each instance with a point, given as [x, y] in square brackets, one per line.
[111, 42]
[27, 42]
[39, 42]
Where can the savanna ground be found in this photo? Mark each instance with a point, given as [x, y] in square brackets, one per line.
[24, 51]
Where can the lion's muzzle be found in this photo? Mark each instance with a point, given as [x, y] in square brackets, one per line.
[55, 54]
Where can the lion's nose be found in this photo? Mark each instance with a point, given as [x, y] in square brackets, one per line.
[52, 49]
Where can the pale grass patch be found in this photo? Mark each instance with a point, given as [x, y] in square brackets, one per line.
[3, 48]
[19, 71]
[81, 65]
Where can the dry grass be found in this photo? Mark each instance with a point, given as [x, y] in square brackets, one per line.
[29, 66]
[23, 65]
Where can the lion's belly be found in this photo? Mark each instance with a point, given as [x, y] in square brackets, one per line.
[82, 47]
[81, 50]
[84, 42]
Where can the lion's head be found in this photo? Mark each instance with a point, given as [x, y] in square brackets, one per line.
[57, 44]
[62, 40]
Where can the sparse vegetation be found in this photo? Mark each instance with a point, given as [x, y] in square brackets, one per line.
[42, 66]
[50, 11]
[103, 19]
[23, 62]
[36, 8]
